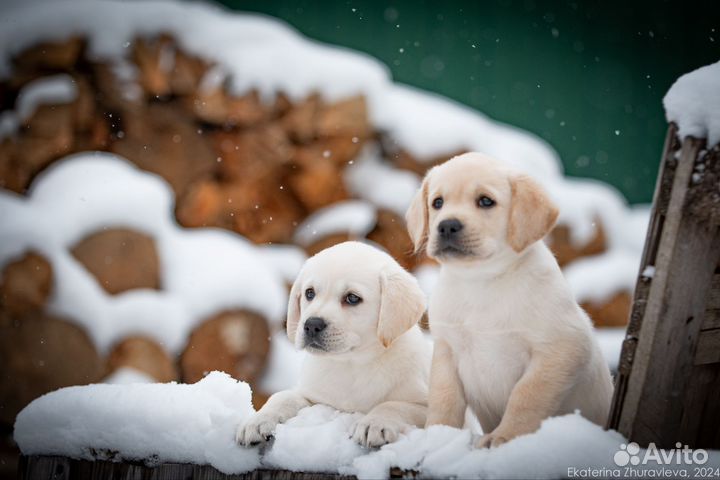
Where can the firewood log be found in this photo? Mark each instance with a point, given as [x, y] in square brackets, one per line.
[614, 312]
[218, 107]
[347, 117]
[58, 55]
[162, 140]
[326, 242]
[261, 210]
[391, 233]
[235, 342]
[300, 121]
[155, 60]
[201, 206]
[40, 353]
[341, 151]
[565, 250]
[252, 154]
[120, 259]
[144, 355]
[187, 73]
[317, 182]
[25, 284]
[403, 159]
[46, 136]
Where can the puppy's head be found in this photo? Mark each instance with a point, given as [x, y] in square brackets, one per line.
[472, 208]
[351, 296]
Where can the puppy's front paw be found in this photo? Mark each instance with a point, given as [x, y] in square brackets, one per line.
[495, 438]
[259, 428]
[375, 432]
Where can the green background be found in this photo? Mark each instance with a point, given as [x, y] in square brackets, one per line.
[588, 77]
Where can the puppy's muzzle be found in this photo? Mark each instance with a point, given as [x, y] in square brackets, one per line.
[314, 327]
[449, 238]
[449, 229]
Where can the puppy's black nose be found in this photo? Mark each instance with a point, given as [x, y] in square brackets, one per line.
[314, 325]
[448, 228]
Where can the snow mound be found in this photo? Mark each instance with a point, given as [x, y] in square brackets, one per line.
[53, 90]
[599, 277]
[127, 376]
[693, 103]
[354, 217]
[203, 271]
[375, 180]
[155, 423]
[196, 423]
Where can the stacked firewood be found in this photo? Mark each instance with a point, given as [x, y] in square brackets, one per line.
[238, 162]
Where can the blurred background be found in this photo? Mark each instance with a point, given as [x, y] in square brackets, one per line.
[588, 77]
[236, 158]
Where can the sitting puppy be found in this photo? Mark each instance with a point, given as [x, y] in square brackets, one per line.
[354, 310]
[510, 340]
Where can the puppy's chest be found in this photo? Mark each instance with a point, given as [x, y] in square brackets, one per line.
[490, 350]
[346, 389]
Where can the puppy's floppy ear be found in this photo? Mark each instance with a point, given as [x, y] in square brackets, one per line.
[532, 213]
[416, 216]
[402, 304]
[293, 309]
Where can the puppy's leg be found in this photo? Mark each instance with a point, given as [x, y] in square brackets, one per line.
[446, 399]
[384, 423]
[279, 408]
[538, 394]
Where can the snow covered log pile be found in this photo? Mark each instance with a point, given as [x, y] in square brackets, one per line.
[256, 130]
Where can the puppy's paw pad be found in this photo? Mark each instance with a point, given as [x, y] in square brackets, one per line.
[255, 431]
[373, 432]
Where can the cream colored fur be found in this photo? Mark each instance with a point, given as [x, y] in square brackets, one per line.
[375, 360]
[511, 343]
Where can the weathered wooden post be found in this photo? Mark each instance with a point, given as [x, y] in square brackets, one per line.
[669, 373]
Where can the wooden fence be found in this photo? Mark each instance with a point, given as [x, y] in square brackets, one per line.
[668, 385]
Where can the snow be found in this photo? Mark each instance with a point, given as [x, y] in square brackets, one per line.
[52, 90]
[693, 103]
[128, 375]
[373, 179]
[284, 365]
[203, 271]
[597, 278]
[287, 260]
[354, 217]
[610, 340]
[648, 272]
[9, 124]
[196, 423]
[155, 423]
[323, 427]
[428, 126]
[427, 276]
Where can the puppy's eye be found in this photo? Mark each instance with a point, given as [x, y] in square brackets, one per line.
[485, 202]
[310, 294]
[437, 203]
[352, 299]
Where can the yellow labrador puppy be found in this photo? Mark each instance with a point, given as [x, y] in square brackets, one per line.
[355, 311]
[510, 340]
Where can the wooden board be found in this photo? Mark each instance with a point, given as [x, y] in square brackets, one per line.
[63, 468]
[665, 390]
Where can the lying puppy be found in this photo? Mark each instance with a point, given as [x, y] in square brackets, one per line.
[510, 340]
[354, 310]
